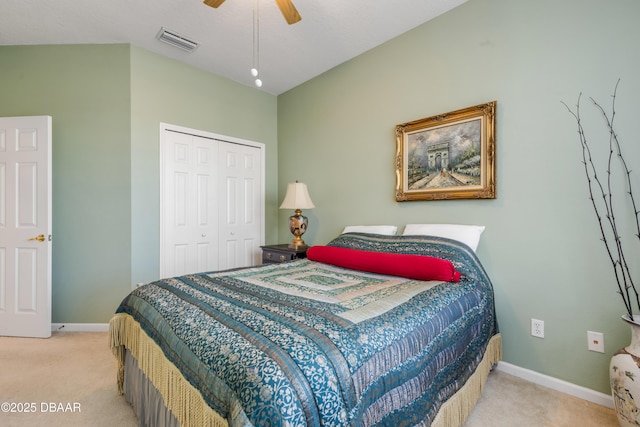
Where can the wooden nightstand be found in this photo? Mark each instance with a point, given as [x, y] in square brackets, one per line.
[281, 253]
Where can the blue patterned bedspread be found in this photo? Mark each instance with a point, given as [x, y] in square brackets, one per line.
[309, 344]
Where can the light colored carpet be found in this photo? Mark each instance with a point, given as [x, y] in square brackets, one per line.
[77, 370]
[69, 367]
[508, 401]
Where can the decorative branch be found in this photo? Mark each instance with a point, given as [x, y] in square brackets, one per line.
[606, 209]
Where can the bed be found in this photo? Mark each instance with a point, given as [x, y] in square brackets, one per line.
[332, 340]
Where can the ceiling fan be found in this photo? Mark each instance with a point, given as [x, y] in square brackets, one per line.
[287, 8]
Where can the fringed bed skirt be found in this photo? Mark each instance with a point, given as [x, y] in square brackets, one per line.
[455, 411]
[189, 408]
[146, 400]
[180, 397]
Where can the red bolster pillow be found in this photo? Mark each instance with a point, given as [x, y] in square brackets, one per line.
[419, 267]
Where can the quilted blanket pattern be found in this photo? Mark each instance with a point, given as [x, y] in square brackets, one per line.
[308, 344]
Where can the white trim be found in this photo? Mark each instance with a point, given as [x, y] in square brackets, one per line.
[79, 327]
[556, 384]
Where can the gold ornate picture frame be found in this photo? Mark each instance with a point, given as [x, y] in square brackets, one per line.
[448, 156]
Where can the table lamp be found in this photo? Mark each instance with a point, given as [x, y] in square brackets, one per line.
[297, 198]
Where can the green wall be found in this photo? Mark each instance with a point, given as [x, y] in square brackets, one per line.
[541, 245]
[107, 102]
[86, 91]
[163, 90]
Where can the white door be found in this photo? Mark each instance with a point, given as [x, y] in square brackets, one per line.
[211, 201]
[241, 206]
[189, 204]
[25, 226]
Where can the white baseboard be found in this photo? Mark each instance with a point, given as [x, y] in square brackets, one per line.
[557, 384]
[79, 327]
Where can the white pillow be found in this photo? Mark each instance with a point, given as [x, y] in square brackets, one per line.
[467, 234]
[388, 230]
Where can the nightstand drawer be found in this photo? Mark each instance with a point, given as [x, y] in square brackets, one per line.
[281, 253]
[275, 256]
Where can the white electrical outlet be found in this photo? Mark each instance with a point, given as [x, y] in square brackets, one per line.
[537, 328]
[595, 341]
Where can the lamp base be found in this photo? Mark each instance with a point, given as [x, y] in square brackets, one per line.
[297, 243]
[298, 226]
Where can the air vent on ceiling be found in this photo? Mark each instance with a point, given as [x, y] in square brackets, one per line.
[176, 40]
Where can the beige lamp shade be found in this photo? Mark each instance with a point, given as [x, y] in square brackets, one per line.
[297, 197]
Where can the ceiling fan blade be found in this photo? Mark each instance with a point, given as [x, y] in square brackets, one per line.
[213, 3]
[289, 11]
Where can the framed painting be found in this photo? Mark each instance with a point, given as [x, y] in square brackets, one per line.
[448, 156]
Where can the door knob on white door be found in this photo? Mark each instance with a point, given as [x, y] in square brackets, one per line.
[39, 238]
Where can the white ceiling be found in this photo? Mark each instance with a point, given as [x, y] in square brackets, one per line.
[330, 33]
